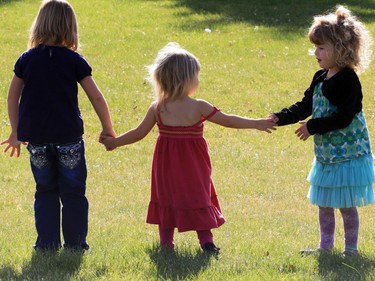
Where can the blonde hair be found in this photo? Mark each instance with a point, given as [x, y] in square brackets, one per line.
[349, 38]
[172, 72]
[55, 23]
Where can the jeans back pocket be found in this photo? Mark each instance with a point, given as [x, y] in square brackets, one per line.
[70, 155]
[38, 155]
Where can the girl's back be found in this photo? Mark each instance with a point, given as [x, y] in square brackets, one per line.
[181, 112]
[49, 104]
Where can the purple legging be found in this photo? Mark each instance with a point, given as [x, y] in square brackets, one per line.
[327, 227]
[167, 234]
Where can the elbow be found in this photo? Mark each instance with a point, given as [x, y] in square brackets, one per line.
[345, 120]
[344, 123]
[138, 135]
[230, 124]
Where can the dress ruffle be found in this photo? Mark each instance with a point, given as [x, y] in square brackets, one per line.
[184, 219]
[342, 185]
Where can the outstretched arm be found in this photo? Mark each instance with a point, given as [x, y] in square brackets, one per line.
[14, 95]
[100, 105]
[135, 134]
[235, 121]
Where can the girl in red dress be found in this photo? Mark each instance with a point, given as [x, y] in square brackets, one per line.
[183, 195]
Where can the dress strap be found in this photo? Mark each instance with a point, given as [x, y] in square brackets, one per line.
[204, 118]
[212, 113]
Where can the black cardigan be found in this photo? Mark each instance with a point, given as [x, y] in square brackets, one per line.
[343, 90]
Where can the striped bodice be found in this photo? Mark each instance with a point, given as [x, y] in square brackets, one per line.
[194, 131]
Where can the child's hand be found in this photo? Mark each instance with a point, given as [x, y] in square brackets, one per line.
[13, 144]
[266, 124]
[109, 143]
[274, 118]
[107, 133]
[302, 131]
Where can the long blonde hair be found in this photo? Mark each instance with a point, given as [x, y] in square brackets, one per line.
[55, 23]
[350, 39]
[172, 72]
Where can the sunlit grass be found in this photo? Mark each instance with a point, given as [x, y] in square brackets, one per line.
[250, 66]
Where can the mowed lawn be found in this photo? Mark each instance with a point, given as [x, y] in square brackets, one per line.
[254, 57]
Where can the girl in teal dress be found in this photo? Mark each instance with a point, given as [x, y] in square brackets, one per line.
[342, 173]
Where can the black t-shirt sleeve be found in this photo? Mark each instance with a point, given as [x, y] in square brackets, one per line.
[83, 69]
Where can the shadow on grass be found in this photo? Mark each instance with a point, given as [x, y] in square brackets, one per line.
[3, 2]
[178, 264]
[337, 267]
[288, 16]
[45, 266]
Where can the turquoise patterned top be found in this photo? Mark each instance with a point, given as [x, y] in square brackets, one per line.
[342, 144]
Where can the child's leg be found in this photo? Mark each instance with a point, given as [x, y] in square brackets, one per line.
[205, 236]
[350, 218]
[327, 227]
[166, 237]
[47, 201]
[206, 241]
[72, 188]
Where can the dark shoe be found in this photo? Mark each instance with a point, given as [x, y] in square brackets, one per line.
[47, 248]
[210, 248]
[309, 252]
[167, 247]
[84, 247]
[350, 253]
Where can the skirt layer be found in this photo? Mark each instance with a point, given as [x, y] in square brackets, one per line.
[342, 185]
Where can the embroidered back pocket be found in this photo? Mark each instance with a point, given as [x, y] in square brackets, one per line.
[70, 155]
[38, 156]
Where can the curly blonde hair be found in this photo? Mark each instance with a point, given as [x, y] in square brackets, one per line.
[172, 72]
[350, 40]
[55, 23]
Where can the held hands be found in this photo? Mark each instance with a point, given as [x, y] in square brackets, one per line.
[302, 131]
[266, 124]
[273, 117]
[14, 144]
[109, 143]
[106, 137]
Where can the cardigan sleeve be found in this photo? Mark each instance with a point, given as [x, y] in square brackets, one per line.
[345, 92]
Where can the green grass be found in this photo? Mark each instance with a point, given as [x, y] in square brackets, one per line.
[254, 61]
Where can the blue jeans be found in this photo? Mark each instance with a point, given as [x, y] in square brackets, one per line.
[60, 174]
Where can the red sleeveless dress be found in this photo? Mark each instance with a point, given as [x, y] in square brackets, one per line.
[182, 192]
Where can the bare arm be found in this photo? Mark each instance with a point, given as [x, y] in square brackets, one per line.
[135, 134]
[235, 121]
[14, 95]
[100, 106]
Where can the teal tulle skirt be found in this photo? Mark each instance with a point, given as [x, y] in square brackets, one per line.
[342, 185]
